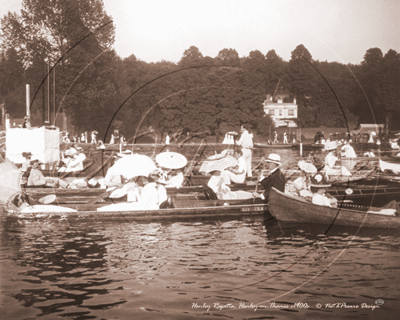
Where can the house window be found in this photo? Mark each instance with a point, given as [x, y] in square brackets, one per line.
[280, 113]
[291, 112]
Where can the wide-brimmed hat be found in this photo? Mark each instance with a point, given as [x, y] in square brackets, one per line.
[35, 160]
[307, 167]
[274, 158]
[124, 153]
[70, 152]
[329, 146]
[318, 181]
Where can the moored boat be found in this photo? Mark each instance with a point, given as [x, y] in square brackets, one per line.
[272, 146]
[386, 166]
[182, 211]
[286, 207]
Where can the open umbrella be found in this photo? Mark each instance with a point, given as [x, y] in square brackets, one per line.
[219, 164]
[134, 165]
[10, 182]
[171, 160]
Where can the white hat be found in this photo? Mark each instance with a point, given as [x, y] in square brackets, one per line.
[330, 146]
[274, 158]
[70, 152]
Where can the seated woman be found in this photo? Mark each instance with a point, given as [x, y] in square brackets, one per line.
[149, 196]
[175, 178]
[236, 174]
[37, 179]
[331, 169]
[223, 192]
[319, 196]
[301, 186]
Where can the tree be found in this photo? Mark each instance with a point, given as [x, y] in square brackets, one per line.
[75, 35]
[274, 72]
[228, 57]
[191, 57]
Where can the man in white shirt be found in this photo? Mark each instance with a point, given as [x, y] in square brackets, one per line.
[237, 175]
[246, 142]
[75, 160]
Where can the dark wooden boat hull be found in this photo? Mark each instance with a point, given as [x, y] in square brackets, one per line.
[215, 211]
[272, 146]
[308, 146]
[285, 207]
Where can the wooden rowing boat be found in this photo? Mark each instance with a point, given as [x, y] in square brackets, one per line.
[272, 146]
[198, 210]
[387, 166]
[308, 146]
[286, 207]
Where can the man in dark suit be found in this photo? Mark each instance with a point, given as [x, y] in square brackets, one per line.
[275, 178]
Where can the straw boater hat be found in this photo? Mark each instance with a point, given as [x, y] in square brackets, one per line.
[274, 158]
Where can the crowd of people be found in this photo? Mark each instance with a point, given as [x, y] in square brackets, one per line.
[148, 190]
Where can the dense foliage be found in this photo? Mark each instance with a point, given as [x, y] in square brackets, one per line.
[100, 91]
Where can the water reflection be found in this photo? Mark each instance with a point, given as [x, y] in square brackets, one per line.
[170, 270]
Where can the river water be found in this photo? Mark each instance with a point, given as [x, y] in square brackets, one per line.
[210, 269]
[197, 269]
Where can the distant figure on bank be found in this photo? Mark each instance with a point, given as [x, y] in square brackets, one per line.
[285, 140]
[114, 137]
[294, 137]
[27, 122]
[94, 137]
[275, 138]
[246, 142]
[167, 139]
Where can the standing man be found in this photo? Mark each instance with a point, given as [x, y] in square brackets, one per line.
[285, 140]
[275, 138]
[246, 142]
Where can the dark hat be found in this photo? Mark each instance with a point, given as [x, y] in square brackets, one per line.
[35, 161]
[26, 154]
[318, 181]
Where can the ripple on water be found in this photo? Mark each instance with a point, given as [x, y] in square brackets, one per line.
[112, 269]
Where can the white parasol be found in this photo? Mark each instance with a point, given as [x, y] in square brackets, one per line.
[219, 164]
[134, 165]
[10, 182]
[171, 160]
[307, 167]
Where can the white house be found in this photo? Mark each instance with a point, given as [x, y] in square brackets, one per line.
[281, 112]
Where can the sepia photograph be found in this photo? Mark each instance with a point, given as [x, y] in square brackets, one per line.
[194, 159]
